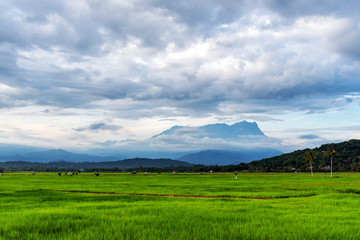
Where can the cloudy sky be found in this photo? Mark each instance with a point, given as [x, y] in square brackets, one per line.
[89, 73]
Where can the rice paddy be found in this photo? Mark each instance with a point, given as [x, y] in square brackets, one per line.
[179, 206]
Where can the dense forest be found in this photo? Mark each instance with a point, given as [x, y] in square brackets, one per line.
[347, 158]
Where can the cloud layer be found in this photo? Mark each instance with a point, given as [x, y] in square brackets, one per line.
[162, 59]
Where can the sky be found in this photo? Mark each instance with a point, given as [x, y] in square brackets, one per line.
[92, 74]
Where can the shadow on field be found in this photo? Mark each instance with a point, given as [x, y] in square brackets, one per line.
[187, 196]
[350, 190]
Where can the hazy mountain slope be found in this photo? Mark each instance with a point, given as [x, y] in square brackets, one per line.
[223, 157]
[62, 155]
[16, 149]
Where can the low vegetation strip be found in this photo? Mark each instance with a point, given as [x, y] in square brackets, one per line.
[185, 196]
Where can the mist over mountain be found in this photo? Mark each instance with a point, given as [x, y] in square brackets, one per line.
[178, 141]
[240, 142]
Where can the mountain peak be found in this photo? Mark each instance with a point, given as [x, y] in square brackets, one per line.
[222, 130]
[217, 130]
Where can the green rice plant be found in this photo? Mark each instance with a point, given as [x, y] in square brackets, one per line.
[209, 206]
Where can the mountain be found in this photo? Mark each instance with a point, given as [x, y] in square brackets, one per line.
[16, 157]
[224, 157]
[218, 130]
[59, 154]
[346, 159]
[145, 162]
[122, 164]
[56, 155]
[221, 130]
[244, 138]
[239, 142]
[15, 149]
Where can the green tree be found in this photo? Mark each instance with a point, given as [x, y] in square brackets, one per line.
[310, 158]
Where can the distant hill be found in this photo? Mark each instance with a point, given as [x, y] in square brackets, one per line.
[347, 158]
[145, 162]
[57, 155]
[15, 149]
[122, 164]
[223, 157]
[62, 155]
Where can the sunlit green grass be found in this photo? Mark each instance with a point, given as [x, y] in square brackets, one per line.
[256, 206]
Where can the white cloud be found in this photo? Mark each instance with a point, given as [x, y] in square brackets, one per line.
[200, 61]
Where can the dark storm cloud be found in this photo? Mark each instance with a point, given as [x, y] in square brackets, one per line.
[99, 127]
[179, 58]
[296, 8]
[309, 136]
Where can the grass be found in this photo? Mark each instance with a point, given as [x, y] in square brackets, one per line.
[255, 206]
